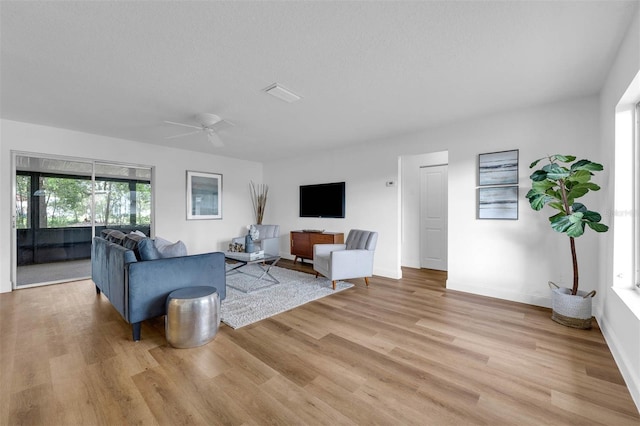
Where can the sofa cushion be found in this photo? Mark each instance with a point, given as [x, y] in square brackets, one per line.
[147, 250]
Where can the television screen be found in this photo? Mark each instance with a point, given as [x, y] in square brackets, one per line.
[323, 200]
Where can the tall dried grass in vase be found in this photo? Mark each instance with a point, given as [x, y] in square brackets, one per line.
[259, 193]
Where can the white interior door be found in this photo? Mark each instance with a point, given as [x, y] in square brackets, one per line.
[433, 217]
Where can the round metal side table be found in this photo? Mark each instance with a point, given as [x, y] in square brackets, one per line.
[193, 316]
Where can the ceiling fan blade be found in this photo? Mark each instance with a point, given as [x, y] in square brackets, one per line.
[214, 139]
[183, 134]
[183, 125]
[222, 124]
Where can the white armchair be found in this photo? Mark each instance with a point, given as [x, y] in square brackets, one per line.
[268, 239]
[354, 259]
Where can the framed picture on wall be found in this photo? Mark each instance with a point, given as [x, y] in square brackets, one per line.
[498, 202]
[204, 195]
[498, 168]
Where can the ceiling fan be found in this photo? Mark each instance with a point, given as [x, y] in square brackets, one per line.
[210, 124]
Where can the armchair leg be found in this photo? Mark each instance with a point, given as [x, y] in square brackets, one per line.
[317, 273]
[334, 284]
[97, 290]
[366, 280]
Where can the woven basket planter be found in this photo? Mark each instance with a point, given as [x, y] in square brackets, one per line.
[569, 310]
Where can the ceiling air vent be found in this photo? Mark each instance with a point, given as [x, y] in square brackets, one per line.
[281, 93]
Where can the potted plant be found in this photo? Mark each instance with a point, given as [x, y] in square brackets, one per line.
[557, 185]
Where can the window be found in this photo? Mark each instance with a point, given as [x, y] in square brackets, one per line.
[636, 180]
[62, 201]
[122, 203]
[626, 259]
[57, 208]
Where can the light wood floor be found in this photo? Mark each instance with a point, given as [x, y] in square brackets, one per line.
[398, 352]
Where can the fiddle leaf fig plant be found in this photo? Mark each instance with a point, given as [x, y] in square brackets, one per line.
[558, 184]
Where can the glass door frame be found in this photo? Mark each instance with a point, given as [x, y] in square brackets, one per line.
[93, 163]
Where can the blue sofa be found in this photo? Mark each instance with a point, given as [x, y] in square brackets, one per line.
[138, 289]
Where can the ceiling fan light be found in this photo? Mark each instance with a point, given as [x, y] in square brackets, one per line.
[206, 119]
[281, 93]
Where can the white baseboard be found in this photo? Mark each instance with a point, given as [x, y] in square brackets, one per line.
[500, 294]
[624, 364]
[387, 273]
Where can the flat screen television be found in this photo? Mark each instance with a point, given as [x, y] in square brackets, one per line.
[322, 200]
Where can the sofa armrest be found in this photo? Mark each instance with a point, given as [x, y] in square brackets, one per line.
[270, 245]
[108, 262]
[351, 264]
[150, 282]
[325, 249]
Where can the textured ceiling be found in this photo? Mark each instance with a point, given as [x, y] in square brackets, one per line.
[365, 70]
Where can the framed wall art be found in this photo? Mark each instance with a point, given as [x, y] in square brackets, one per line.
[498, 168]
[498, 202]
[204, 195]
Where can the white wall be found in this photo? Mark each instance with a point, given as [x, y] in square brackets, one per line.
[507, 259]
[515, 259]
[370, 204]
[620, 324]
[170, 182]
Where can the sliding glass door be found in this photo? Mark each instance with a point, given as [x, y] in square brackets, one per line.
[61, 203]
[122, 198]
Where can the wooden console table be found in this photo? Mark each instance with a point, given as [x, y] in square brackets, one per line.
[302, 242]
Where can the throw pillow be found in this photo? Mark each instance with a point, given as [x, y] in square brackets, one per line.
[161, 242]
[140, 233]
[176, 249]
[131, 241]
[116, 236]
[148, 250]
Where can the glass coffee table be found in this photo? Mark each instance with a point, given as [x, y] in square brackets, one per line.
[265, 262]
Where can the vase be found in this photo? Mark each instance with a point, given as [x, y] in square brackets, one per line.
[248, 244]
[571, 311]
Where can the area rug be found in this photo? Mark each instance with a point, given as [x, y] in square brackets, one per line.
[295, 288]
